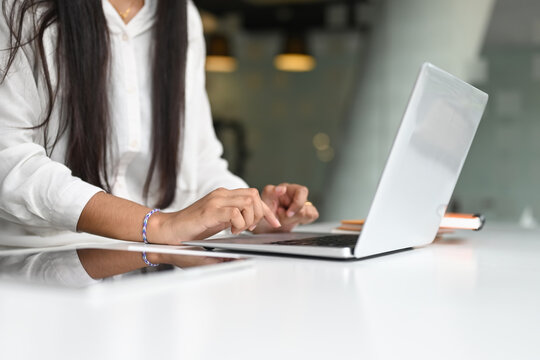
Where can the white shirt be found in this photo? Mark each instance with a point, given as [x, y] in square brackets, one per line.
[38, 194]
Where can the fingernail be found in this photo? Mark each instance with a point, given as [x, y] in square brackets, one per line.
[280, 188]
[290, 213]
[252, 227]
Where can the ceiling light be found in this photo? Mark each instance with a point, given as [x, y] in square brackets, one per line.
[218, 56]
[295, 56]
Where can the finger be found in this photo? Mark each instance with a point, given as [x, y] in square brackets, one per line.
[268, 191]
[248, 215]
[298, 201]
[258, 212]
[286, 194]
[299, 218]
[280, 189]
[310, 214]
[252, 210]
[255, 212]
[236, 219]
[270, 217]
[282, 213]
[274, 195]
[270, 197]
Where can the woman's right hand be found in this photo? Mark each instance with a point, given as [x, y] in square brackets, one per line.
[239, 209]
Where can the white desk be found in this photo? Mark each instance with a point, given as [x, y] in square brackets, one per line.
[470, 296]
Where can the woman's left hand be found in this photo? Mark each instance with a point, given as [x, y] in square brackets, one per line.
[289, 202]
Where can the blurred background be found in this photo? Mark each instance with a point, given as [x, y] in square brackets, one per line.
[312, 92]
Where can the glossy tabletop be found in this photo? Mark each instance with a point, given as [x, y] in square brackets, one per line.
[467, 296]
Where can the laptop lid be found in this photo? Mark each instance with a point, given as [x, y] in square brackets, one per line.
[424, 164]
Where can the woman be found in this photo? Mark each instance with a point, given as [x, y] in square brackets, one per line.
[104, 115]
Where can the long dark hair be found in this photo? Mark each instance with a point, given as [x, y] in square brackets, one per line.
[82, 64]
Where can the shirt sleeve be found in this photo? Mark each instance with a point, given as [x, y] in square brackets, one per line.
[212, 168]
[34, 190]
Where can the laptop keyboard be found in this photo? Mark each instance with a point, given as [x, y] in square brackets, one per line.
[347, 240]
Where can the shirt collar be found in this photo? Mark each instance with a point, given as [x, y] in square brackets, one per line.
[142, 21]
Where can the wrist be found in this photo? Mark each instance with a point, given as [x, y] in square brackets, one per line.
[155, 258]
[155, 229]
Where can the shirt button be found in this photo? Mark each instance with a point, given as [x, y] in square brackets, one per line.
[130, 89]
[134, 143]
[125, 37]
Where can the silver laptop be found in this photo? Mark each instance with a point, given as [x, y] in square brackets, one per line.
[419, 177]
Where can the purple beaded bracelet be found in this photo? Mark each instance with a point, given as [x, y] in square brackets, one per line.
[146, 261]
[145, 240]
[145, 224]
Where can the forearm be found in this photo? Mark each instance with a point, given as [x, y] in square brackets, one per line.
[114, 217]
[100, 264]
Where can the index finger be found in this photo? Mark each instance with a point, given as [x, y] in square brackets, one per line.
[270, 216]
[298, 201]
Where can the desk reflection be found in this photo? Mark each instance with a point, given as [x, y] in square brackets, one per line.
[65, 268]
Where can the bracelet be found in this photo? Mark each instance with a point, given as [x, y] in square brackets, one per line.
[145, 224]
[145, 240]
[148, 263]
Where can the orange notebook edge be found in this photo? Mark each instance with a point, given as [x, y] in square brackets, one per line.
[356, 224]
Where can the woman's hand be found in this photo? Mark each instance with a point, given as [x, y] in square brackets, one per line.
[240, 209]
[289, 202]
[185, 261]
